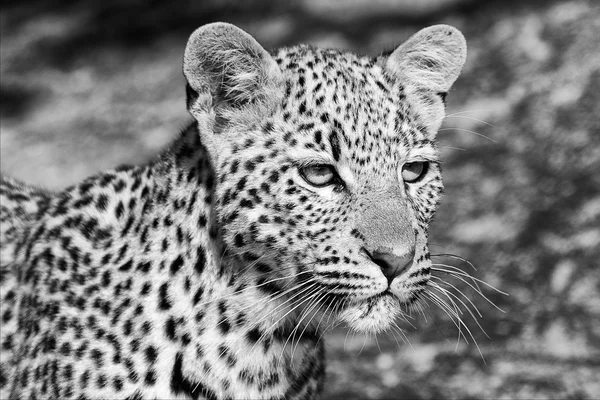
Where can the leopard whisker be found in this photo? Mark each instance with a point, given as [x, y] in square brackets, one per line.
[377, 343]
[456, 311]
[309, 298]
[405, 317]
[459, 320]
[447, 292]
[346, 337]
[338, 307]
[267, 331]
[285, 303]
[418, 308]
[335, 322]
[327, 308]
[365, 337]
[402, 333]
[468, 111]
[270, 299]
[314, 286]
[316, 303]
[470, 118]
[446, 308]
[456, 257]
[230, 295]
[443, 306]
[452, 148]
[459, 275]
[395, 329]
[469, 131]
[304, 314]
[459, 291]
[425, 306]
[312, 283]
[330, 308]
[449, 269]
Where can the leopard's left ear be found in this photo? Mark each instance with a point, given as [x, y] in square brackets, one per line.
[427, 64]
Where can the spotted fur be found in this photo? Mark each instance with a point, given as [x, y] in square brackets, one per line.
[212, 271]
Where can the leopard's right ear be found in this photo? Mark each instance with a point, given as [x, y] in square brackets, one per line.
[231, 79]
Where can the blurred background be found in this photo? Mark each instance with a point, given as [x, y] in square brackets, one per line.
[86, 85]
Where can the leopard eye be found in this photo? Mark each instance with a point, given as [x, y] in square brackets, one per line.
[414, 171]
[318, 175]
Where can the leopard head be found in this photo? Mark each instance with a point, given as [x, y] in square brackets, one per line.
[326, 164]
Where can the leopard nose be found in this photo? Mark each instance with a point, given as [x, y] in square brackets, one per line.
[392, 265]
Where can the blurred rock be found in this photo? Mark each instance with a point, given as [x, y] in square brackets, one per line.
[356, 9]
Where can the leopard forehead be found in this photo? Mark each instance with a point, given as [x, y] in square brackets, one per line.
[345, 109]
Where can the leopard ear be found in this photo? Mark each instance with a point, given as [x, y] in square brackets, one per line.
[427, 64]
[431, 59]
[231, 79]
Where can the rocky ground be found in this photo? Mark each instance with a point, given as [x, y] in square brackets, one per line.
[88, 85]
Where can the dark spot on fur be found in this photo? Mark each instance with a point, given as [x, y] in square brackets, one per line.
[335, 145]
[182, 386]
[201, 260]
[176, 265]
[163, 297]
[170, 327]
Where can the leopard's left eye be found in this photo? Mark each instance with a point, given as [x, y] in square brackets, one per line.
[318, 175]
[414, 171]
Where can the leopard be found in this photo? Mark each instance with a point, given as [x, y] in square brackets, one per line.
[298, 198]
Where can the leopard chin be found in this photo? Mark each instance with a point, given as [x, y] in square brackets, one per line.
[373, 315]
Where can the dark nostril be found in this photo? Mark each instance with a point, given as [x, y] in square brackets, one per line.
[382, 264]
[392, 265]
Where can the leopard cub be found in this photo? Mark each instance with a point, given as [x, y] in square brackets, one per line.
[300, 196]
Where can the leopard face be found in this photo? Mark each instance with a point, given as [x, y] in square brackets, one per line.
[325, 201]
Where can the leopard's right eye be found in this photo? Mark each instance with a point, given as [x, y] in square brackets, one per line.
[319, 175]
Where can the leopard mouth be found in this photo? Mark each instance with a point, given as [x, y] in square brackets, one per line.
[373, 314]
[372, 301]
